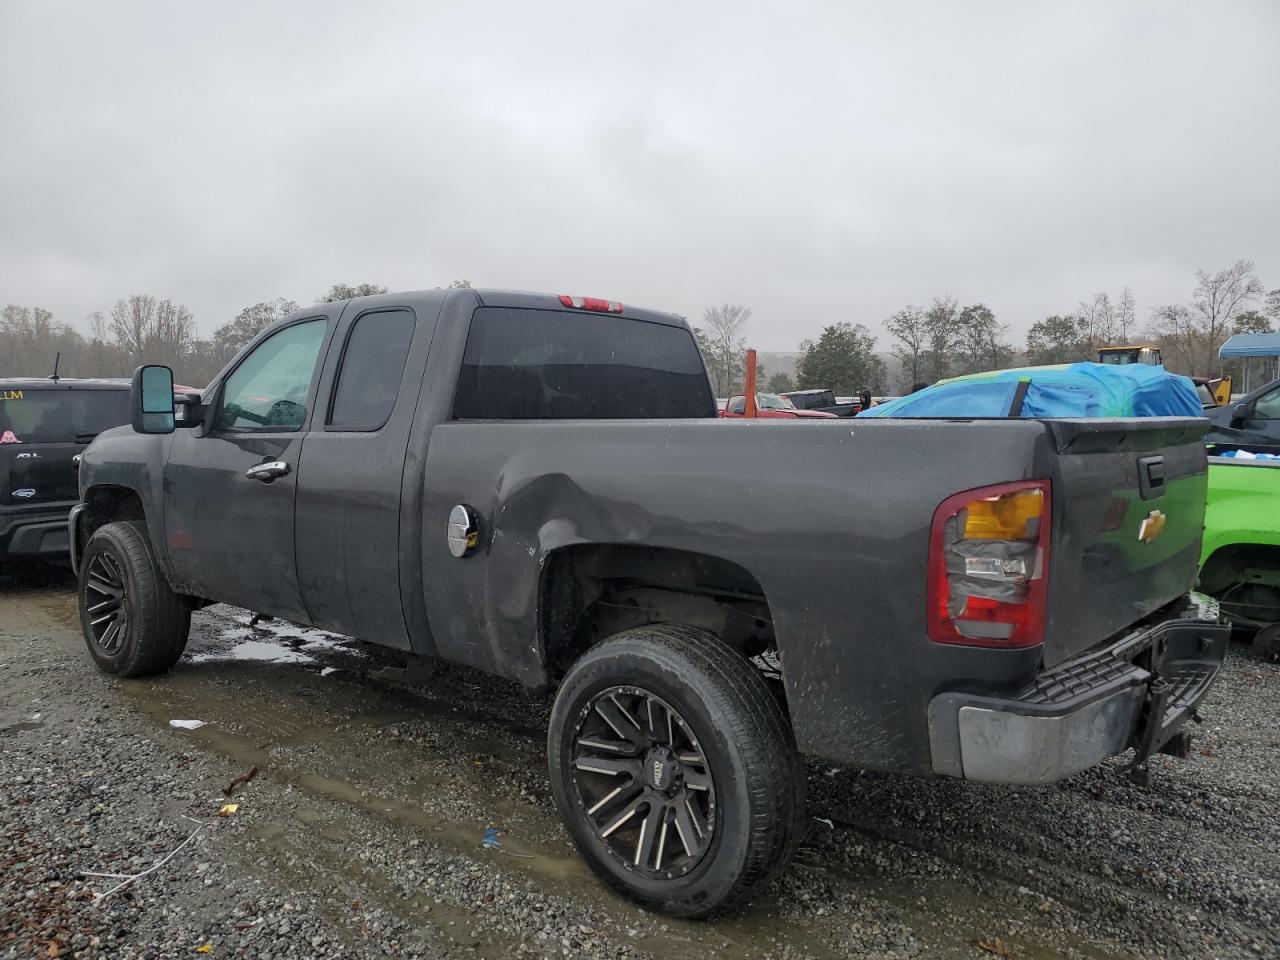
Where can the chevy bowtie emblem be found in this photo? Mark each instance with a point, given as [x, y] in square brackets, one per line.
[1151, 527]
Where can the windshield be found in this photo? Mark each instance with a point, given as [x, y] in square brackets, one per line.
[60, 416]
[771, 401]
[1119, 356]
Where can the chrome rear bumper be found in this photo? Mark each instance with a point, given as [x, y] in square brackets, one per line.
[1136, 693]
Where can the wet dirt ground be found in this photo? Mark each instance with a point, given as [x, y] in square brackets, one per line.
[361, 833]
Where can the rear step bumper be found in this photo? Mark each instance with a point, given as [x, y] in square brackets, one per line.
[1137, 692]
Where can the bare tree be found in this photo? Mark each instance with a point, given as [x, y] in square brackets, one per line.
[130, 321]
[1174, 328]
[174, 331]
[147, 329]
[98, 326]
[1097, 322]
[1125, 315]
[724, 329]
[908, 328]
[1218, 298]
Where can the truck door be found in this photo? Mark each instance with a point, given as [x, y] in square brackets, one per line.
[353, 465]
[229, 492]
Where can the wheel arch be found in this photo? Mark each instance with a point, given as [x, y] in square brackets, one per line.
[111, 502]
[1229, 559]
[590, 591]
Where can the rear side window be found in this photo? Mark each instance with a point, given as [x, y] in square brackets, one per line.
[548, 365]
[372, 365]
[59, 416]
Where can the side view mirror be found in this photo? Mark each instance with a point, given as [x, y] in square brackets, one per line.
[151, 399]
[1242, 411]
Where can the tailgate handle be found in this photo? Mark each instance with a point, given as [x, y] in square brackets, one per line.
[1151, 477]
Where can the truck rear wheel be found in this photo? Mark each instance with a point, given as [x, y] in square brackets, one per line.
[133, 622]
[674, 770]
[1266, 642]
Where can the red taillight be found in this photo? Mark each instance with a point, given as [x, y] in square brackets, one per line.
[591, 303]
[988, 566]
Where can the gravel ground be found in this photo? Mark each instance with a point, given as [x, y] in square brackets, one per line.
[360, 835]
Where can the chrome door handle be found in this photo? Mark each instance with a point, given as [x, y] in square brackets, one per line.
[266, 472]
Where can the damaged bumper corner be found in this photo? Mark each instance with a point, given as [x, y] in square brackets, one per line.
[1135, 693]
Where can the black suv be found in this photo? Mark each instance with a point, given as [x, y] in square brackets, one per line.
[43, 425]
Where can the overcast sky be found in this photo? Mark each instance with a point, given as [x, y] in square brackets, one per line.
[816, 162]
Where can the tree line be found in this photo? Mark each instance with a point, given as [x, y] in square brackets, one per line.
[140, 328]
[842, 358]
[945, 339]
[1189, 335]
[926, 344]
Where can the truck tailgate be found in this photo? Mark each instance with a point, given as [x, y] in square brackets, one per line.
[1128, 516]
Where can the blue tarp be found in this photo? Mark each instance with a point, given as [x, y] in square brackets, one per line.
[1067, 390]
[1251, 345]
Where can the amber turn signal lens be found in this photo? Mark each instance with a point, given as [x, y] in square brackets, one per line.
[1009, 516]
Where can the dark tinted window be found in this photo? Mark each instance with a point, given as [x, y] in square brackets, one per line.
[52, 416]
[548, 365]
[372, 366]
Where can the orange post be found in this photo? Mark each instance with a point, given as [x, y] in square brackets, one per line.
[750, 397]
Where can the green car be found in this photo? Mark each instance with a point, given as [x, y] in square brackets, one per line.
[1240, 562]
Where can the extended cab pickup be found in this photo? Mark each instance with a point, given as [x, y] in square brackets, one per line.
[538, 486]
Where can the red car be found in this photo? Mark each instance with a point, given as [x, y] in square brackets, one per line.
[771, 406]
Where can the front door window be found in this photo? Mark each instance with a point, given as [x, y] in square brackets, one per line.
[268, 390]
[1268, 406]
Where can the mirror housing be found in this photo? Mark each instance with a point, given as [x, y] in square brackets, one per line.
[151, 399]
[1241, 411]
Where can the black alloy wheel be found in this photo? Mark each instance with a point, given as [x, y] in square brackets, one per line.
[674, 769]
[134, 623]
[106, 603]
[643, 782]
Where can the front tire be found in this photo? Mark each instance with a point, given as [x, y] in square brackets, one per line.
[674, 770]
[134, 624]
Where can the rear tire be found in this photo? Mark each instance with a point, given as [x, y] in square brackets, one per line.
[1266, 643]
[668, 720]
[134, 624]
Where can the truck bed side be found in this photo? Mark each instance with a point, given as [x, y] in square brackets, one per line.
[837, 549]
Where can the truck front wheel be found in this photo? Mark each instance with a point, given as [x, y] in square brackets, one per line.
[133, 622]
[674, 770]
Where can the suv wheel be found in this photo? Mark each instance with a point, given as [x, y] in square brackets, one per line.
[133, 622]
[674, 770]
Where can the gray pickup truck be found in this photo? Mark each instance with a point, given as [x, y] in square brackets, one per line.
[539, 487]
